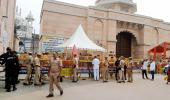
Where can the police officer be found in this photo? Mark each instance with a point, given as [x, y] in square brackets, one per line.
[130, 70]
[105, 70]
[112, 65]
[10, 70]
[54, 73]
[29, 65]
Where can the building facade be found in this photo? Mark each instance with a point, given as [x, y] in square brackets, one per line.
[24, 31]
[7, 20]
[111, 24]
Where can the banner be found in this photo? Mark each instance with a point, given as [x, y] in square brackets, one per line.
[49, 44]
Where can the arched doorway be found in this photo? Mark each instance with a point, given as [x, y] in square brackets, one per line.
[124, 44]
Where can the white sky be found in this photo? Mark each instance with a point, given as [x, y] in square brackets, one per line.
[153, 8]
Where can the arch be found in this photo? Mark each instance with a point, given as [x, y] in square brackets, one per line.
[135, 35]
[126, 43]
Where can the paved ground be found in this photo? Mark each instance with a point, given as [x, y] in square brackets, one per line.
[92, 90]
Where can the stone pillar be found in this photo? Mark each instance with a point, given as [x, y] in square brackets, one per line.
[145, 42]
[111, 36]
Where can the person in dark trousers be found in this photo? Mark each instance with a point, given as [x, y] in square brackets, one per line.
[117, 64]
[144, 68]
[10, 70]
[152, 69]
[168, 74]
[125, 68]
[16, 66]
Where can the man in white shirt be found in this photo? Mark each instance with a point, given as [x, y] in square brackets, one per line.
[96, 64]
[152, 68]
[144, 68]
[121, 71]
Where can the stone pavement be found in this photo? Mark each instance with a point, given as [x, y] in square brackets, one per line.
[92, 90]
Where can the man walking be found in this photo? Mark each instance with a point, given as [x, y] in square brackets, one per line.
[96, 63]
[29, 70]
[152, 69]
[54, 74]
[37, 69]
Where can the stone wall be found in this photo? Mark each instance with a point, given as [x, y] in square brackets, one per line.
[103, 25]
[7, 15]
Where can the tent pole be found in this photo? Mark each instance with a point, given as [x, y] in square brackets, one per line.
[165, 48]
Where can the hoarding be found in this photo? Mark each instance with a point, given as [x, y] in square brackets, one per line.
[50, 43]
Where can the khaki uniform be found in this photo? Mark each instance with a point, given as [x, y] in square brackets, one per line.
[54, 74]
[105, 70]
[75, 69]
[29, 63]
[130, 71]
[37, 70]
[112, 65]
[102, 69]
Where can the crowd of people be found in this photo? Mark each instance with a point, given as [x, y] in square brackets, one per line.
[105, 68]
[122, 66]
[12, 68]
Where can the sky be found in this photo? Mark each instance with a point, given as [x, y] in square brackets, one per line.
[154, 8]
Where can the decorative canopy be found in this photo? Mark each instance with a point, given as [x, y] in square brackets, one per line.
[161, 48]
[80, 40]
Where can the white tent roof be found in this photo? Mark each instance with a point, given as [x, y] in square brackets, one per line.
[81, 41]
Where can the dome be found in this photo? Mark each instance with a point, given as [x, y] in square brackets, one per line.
[127, 6]
[30, 17]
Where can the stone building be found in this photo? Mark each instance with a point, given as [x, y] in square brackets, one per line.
[7, 15]
[112, 24]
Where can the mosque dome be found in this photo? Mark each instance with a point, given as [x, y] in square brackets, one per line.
[127, 6]
[30, 17]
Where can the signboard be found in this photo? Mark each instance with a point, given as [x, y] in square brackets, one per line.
[50, 43]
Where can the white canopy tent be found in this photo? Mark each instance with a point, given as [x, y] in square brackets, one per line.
[81, 41]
